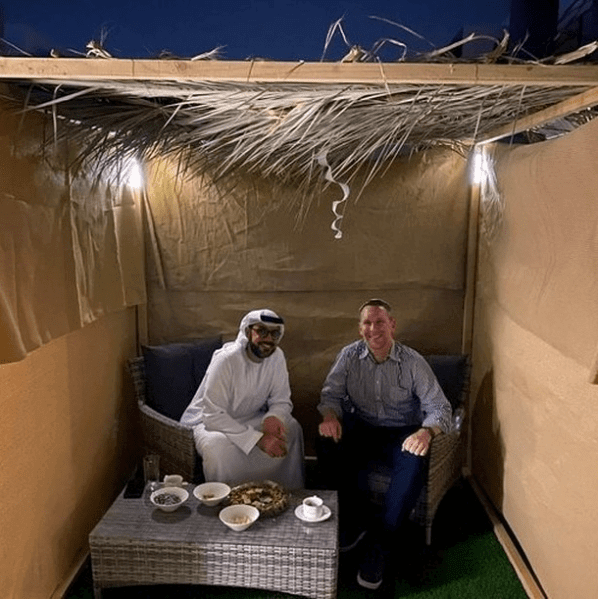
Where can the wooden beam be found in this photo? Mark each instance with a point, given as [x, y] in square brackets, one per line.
[297, 72]
[571, 105]
[471, 266]
[75, 571]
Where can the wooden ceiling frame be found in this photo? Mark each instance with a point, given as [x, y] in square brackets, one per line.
[256, 71]
[577, 103]
[58, 70]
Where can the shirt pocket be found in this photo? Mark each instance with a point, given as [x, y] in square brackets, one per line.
[398, 396]
[400, 401]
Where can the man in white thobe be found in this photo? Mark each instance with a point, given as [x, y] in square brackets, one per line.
[241, 412]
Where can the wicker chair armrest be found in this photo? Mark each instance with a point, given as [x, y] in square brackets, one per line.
[136, 368]
[441, 453]
[168, 423]
[458, 419]
[444, 468]
[171, 439]
[443, 445]
[466, 383]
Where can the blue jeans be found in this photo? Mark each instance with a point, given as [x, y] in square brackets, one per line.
[345, 466]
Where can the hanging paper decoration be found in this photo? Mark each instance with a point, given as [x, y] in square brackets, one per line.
[335, 226]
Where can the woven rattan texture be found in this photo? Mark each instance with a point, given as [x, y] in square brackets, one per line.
[172, 441]
[136, 544]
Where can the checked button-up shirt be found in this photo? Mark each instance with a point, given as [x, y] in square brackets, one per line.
[400, 391]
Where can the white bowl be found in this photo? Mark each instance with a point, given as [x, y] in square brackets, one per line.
[211, 493]
[239, 517]
[158, 498]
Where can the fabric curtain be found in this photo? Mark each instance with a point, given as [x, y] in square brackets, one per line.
[71, 247]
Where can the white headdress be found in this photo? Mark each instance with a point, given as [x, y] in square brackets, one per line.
[265, 316]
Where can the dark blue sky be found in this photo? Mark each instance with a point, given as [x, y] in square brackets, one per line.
[282, 30]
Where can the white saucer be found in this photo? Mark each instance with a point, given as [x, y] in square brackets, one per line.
[325, 515]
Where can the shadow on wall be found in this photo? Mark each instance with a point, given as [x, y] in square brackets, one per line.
[488, 448]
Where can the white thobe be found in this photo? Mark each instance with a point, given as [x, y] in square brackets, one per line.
[226, 414]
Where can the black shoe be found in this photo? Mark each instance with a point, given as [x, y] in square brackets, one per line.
[371, 569]
[349, 539]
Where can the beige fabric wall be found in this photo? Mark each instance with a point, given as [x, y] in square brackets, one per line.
[535, 422]
[222, 253]
[68, 440]
[70, 250]
[71, 261]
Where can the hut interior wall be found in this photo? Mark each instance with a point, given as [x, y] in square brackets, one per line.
[68, 441]
[71, 267]
[220, 253]
[535, 423]
[71, 244]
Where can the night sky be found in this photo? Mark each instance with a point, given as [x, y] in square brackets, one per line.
[276, 30]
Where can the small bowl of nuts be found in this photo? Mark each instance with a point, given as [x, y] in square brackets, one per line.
[239, 517]
[169, 499]
[211, 493]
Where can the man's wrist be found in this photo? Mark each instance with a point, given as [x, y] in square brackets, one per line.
[329, 415]
[433, 432]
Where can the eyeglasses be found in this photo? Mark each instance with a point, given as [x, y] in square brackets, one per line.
[263, 332]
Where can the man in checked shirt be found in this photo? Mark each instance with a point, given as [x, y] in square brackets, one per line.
[380, 400]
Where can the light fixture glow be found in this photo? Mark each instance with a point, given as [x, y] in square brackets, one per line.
[135, 175]
[480, 166]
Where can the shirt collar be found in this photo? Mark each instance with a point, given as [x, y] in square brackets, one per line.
[394, 353]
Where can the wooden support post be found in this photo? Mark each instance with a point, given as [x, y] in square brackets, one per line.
[470, 287]
[471, 268]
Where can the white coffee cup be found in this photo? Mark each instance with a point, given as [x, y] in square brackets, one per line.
[173, 480]
[313, 507]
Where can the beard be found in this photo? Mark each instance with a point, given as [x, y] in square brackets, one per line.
[262, 349]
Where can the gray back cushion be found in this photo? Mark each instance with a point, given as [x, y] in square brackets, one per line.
[174, 371]
[452, 372]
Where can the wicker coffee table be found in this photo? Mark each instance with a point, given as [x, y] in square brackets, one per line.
[137, 544]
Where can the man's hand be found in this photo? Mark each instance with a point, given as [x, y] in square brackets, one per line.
[273, 442]
[418, 443]
[275, 427]
[273, 446]
[331, 427]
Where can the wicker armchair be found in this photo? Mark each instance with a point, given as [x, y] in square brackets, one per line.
[447, 451]
[164, 435]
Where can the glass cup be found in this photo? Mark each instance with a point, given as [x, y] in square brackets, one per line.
[151, 471]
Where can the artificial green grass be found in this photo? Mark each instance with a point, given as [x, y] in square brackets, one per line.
[466, 561]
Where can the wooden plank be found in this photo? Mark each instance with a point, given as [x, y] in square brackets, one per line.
[72, 574]
[574, 104]
[526, 576]
[470, 288]
[296, 72]
[471, 267]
